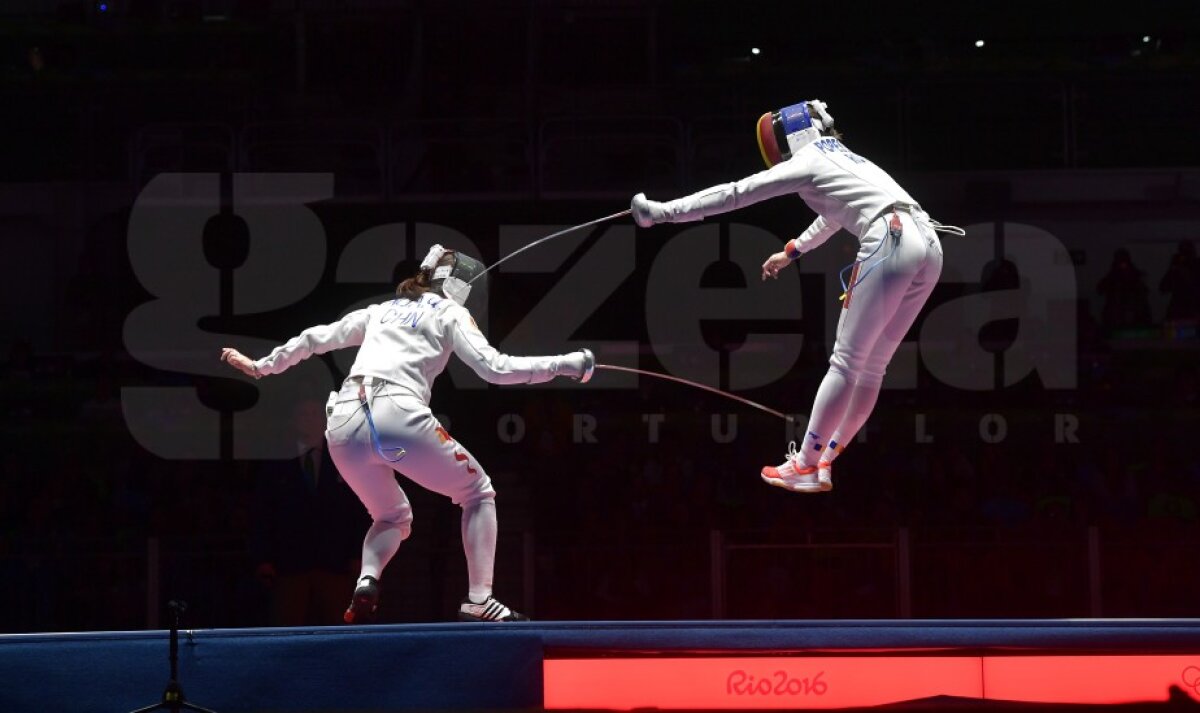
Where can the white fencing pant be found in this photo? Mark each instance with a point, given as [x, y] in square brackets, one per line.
[876, 315]
[433, 460]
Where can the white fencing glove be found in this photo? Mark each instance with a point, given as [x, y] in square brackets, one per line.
[578, 365]
[647, 212]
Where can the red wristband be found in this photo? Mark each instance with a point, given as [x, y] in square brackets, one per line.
[790, 250]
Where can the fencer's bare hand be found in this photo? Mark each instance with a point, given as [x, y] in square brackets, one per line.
[239, 361]
[774, 264]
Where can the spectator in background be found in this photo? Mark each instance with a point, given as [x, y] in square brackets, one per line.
[1126, 304]
[306, 527]
[37, 62]
[1182, 282]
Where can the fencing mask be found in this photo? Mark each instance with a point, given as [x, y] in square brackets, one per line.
[782, 133]
[455, 279]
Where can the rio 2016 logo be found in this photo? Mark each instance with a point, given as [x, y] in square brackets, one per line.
[777, 683]
[1191, 678]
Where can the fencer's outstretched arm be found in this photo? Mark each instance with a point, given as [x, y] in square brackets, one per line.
[485, 360]
[783, 178]
[346, 332]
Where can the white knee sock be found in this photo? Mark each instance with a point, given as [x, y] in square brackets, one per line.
[380, 545]
[862, 403]
[833, 397]
[479, 544]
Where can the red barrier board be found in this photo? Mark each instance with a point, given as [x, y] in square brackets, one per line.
[763, 682]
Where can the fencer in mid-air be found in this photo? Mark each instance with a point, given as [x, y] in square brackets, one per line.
[898, 264]
[380, 421]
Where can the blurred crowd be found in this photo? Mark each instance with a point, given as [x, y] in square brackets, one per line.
[1125, 293]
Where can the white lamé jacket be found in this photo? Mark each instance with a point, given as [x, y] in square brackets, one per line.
[408, 343]
[843, 188]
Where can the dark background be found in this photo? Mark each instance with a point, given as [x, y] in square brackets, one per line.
[1071, 116]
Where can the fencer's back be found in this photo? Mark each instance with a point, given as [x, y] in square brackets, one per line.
[408, 342]
[846, 187]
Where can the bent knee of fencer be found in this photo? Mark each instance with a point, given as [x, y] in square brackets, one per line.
[872, 372]
[478, 499]
[870, 377]
[841, 363]
[400, 517]
[875, 365]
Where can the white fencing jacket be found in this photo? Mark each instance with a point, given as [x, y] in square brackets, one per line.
[843, 188]
[408, 343]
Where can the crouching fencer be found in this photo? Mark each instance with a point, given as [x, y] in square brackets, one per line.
[380, 421]
[898, 264]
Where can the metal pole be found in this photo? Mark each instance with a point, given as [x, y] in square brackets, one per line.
[716, 548]
[1095, 597]
[903, 573]
[153, 572]
[529, 564]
